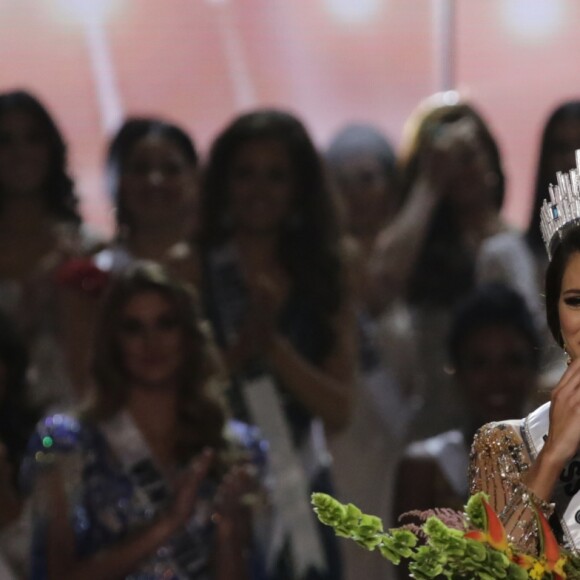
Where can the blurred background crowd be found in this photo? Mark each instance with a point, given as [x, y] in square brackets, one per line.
[216, 301]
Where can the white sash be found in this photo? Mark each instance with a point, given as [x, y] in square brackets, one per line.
[566, 494]
[294, 521]
[184, 556]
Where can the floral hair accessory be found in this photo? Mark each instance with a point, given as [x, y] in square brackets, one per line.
[469, 545]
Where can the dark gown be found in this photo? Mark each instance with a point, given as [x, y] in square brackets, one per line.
[300, 322]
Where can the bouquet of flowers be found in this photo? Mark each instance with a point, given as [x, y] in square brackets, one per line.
[458, 546]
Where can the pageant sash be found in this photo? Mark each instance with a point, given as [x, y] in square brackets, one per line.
[186, 555]
[567, 490]
[293, 521]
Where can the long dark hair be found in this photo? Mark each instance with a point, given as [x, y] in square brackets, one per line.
[423, 126]
[60, 197]
[309, 246]
[570, 110]
[17, 415]
[201, 415]
[127, 137]
[445, 270]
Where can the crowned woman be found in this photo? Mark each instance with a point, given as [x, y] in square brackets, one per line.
[534, 463]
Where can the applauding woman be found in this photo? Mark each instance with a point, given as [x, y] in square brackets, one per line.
[275, 291]
[148, 480]
[40, 228]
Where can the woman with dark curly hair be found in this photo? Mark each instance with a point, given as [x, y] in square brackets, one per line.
[34, 158]
[149, 479]
[448, 237]
[276, 291]
[40, 228]
[152, 170]
[452, 188]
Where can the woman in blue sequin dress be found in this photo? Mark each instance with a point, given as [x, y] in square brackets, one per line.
[149, 480]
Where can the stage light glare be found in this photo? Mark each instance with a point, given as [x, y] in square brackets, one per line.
[354, 11]
[88, 10]
[533, 20]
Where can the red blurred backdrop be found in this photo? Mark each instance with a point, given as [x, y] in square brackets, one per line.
[199, 62]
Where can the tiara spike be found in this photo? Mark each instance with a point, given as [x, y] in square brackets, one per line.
[560, 180]
[568, 183]
[563, 207]
[574, 178]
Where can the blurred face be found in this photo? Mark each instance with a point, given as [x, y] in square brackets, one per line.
[158, 184]
[24, 155]
[150, 341]
[261, 186]
[496, 372]
[565, 140]
[464, 164]
[367, 192]
[569, 306]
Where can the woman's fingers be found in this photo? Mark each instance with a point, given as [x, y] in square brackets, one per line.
[235, 489]
[188, 485]
[570, 379]
[564, 433]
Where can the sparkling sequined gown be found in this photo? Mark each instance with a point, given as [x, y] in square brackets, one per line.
[103, 500]
[499, 460]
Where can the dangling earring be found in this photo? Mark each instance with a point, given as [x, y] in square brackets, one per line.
[568, 357]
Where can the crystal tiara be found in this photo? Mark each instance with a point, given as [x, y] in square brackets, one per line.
[562, 210]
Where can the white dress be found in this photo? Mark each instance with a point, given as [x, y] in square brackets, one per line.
[365, 455]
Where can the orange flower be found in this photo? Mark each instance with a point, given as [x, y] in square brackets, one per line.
[549, 548]
[494, 533]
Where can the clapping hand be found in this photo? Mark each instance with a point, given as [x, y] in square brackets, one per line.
[236, 493]
[257, 333]
[451, 145]
[187, 489]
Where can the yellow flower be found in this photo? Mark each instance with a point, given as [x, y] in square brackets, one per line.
[537, 571]
[559, 567]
